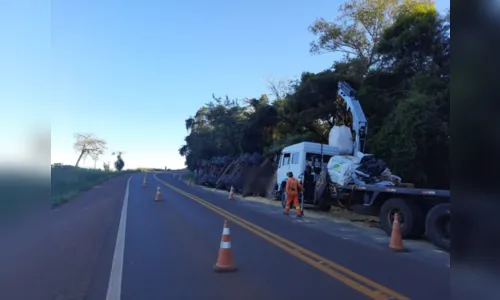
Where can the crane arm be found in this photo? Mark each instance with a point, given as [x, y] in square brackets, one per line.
[350, 113]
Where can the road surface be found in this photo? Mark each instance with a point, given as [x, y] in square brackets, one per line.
[116, 242]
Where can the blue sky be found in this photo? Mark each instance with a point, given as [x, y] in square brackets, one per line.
[132, 71]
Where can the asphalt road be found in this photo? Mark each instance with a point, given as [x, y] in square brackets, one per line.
[116, 241]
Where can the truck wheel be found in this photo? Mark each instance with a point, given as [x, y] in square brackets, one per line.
[325, 205]
[437, 225]
[277, 195]
[283, 198]
[411, 217]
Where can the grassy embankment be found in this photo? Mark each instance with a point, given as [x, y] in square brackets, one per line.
[68, 181]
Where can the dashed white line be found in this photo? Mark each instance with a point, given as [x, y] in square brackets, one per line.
[115, 277]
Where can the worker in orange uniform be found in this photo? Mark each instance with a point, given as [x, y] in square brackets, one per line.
[292, 194]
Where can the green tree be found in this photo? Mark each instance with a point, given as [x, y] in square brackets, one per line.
[312, 105]
[258, 130]
[215, 130]
[410, 95]
[119, 163]
[356, 30]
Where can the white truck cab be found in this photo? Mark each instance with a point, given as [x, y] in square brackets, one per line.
[296, 157]
[349, 119]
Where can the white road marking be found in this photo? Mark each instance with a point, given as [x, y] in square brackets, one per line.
[115, 277]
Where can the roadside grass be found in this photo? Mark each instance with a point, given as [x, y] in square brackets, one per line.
[22, 192]
[68, 181]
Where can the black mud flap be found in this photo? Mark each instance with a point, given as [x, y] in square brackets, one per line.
[320, 187]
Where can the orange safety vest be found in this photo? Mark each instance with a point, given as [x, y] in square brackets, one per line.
[293, 185]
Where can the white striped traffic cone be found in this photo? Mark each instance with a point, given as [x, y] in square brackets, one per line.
[225, 260]
[158, 194]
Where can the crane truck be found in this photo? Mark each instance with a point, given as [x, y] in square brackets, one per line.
[421, 211]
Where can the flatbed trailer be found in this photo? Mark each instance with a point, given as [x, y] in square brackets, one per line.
[421, 211]
[371, 192]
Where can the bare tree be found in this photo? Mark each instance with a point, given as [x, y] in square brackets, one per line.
[88, 144]
[95, 156]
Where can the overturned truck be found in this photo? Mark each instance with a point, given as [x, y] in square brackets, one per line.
[249, 174]
[209, 170]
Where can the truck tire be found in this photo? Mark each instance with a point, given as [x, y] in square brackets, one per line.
[437, 225]
[283, 198]
[244, 158]
[411, 217]
[277, 195]
[255, 159]
[325, 205]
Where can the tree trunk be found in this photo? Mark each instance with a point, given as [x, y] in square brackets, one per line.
[80, 158]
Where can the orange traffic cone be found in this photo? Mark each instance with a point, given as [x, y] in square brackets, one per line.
[231, 193]
[396, 243]
[225, 260]
[158, 194]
